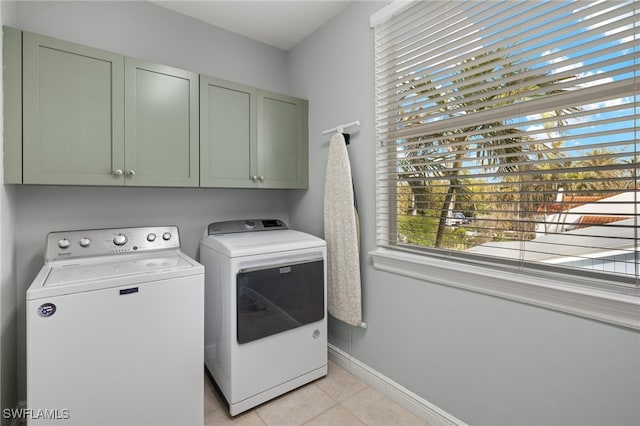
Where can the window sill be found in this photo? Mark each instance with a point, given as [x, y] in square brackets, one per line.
[548, 292]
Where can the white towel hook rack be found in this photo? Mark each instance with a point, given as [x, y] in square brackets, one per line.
[340, 128]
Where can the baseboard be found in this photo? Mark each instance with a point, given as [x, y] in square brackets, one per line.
[417, 405]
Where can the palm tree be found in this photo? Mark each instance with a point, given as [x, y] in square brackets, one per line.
[483, 82]
[604, 178]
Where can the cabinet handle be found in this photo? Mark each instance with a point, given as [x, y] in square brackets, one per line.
[260, 178]
[117, 173]
[254, 178]
[131, 173]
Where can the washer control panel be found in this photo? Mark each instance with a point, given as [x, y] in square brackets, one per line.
[100, 242]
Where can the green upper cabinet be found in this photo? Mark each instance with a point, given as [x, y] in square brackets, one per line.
[75, 115]
[282, 141]
[251, 138]
[228, 156]
[161, 125]
[92, 117]
[73, 112]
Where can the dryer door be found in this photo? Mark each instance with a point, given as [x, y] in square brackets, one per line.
[277, 298]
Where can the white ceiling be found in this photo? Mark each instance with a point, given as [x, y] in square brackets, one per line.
[277, 23]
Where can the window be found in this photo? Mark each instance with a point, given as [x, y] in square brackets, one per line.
[508, 132]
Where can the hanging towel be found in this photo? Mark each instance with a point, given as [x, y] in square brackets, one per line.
[341, 235]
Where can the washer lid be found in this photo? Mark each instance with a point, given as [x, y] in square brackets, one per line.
[252, 243]
[81, 272]
[110, 271]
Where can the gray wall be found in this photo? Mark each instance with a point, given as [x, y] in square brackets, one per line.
[487, 361]
[8, 290]
[146, 31]
[149, 32]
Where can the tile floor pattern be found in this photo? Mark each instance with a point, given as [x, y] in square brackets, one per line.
[337, 399]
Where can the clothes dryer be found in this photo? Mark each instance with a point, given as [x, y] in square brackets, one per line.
[265, 309]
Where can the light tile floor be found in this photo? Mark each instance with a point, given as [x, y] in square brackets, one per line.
[338, 399]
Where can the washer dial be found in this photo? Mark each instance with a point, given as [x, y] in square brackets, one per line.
[120, 240]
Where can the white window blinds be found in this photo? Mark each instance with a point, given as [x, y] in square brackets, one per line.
[510, 130]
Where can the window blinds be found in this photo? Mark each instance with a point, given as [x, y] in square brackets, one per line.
[510, 130]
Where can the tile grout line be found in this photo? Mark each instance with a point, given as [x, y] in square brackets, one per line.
[328, 396]
[254, 409]
[337, 403]
[351, 412]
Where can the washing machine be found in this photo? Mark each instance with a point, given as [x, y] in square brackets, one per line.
[115, 327]
[265, 309]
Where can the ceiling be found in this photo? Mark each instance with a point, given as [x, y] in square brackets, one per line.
[277, 23]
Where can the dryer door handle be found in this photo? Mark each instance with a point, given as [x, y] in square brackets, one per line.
[279, 265]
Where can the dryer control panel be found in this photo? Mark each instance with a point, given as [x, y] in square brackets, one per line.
[247, 225]
[101, 242]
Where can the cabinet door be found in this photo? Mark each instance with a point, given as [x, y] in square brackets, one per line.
[161, 126]
[282, 141]
[227, 134]
[73, 113]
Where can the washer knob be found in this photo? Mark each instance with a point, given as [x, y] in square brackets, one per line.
[166, 236]
[64, 243]
[85, 242]
[120, 240]
[151, 237]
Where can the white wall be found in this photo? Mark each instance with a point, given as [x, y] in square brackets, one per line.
[149, 32]
[8, 290]
[487, 361]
